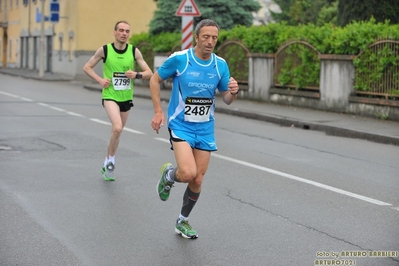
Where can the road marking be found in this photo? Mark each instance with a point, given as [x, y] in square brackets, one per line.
[163, 140]
[100, 121]
[26, 99]
[395, 208]
[43, 104]
[9, 94]
[133, 131]
[296, 178]
[75, 114]
[265, 169]
[57, 109]
[303, 180]
[109, 124]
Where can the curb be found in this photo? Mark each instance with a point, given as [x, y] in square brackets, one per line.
[329, 130]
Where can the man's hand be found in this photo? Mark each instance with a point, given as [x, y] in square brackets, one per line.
[233, 86]
[158, 121]
[105, 83]
[130, 74]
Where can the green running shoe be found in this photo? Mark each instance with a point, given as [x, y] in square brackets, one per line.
[108, 172]
[164, 186]
[184, 229]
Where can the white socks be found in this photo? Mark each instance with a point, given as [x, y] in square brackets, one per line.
[109, 159]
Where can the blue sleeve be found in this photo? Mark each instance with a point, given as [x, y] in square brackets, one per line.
[168, 68]
[225, 76]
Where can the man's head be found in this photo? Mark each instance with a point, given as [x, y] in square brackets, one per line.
[205, 23]
[122, 31]
[206, 37]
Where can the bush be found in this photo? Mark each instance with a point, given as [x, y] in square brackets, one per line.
[327, 39]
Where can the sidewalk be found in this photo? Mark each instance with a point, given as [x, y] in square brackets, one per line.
[331, 123]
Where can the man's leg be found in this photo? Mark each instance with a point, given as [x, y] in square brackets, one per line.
[118, 120]
[192, 192]
[185, 163]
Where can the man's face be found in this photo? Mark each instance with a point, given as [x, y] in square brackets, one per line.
[122, 32]
[207, 39]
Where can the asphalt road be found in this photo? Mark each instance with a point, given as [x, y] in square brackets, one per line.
[272, 195]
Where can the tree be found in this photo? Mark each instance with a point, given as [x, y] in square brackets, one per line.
[328, 14]
[285, 10]
[226, 13]
[354, 10]
[296, 12]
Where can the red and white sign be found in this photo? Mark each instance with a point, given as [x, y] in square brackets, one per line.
[188, 8]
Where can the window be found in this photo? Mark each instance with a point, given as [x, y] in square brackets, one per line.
[25, 2]
[16, 46]
[10, 4]
[10, 50]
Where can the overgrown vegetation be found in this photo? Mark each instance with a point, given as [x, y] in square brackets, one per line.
[352, 39]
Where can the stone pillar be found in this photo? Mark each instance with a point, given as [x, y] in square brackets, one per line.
[337, 75]
[261, 75]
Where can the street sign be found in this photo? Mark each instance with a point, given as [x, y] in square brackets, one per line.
[188, 8]
[54, 11]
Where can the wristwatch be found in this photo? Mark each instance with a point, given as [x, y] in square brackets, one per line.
[139, 75]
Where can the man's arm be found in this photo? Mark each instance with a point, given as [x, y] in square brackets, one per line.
[231, 94]
[159, 117]
[88, 68]
[146, 71]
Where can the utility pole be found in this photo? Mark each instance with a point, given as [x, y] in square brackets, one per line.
[41, 51]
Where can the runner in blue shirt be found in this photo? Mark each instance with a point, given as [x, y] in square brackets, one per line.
[197, 73]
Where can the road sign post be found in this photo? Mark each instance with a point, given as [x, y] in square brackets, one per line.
[54, 11]
[187, 10]
[54, 17]
[41, 50]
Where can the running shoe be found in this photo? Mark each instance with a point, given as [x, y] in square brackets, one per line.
[108, 172]
[164, 186]
[184, 229]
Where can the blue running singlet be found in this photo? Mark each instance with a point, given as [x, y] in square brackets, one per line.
[192, 100]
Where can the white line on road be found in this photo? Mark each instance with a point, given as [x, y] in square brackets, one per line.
[26, 99]
[265, 169]
[303, 180]
[100, 121]
[109, 124]
[296, 178]
[163, 140]
[43, 104]
[9, 94]
[74, 114]
[57, 109]
[133, 131]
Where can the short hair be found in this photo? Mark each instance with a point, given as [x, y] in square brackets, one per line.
[204, 23]
[119, 22]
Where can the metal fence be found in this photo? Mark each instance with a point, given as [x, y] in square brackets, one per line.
[377, 70]
[297, 66]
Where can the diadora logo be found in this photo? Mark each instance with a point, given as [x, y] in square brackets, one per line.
[119, 57]
[207, 101]
[201, 85]
[119, 74]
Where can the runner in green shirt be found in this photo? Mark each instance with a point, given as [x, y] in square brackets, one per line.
[117, 94]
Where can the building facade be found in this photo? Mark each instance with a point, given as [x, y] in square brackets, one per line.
[63, 46]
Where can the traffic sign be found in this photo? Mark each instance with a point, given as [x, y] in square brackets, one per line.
[188, 8]
[54, 11]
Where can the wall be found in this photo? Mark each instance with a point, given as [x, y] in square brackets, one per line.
[84, 26]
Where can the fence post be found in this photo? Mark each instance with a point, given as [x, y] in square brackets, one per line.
[337, 74]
